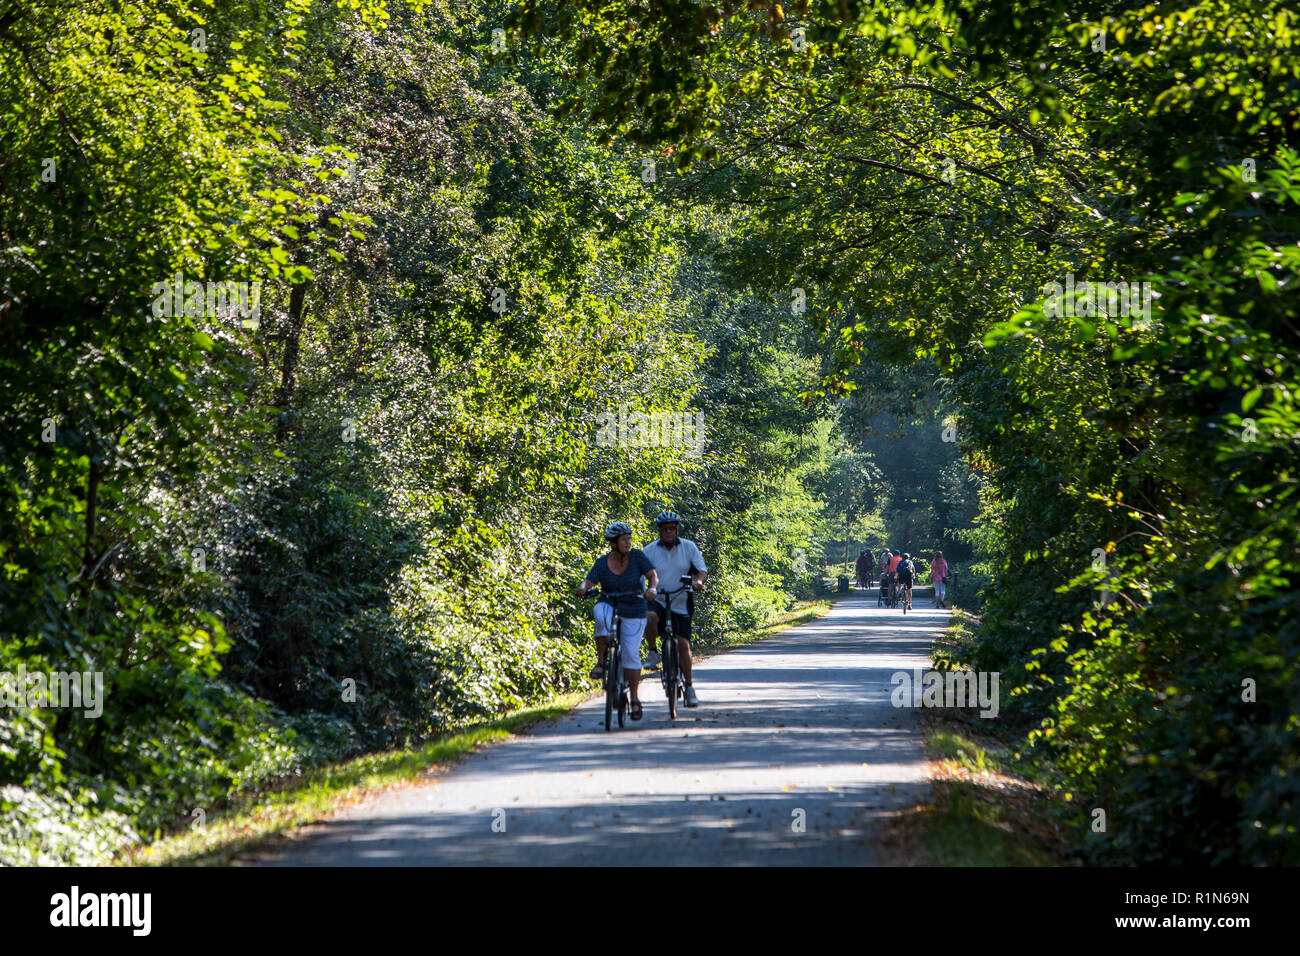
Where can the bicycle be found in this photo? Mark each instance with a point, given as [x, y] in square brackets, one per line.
[670, 673]
[618, 696]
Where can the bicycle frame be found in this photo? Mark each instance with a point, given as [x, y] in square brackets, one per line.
[670, 672]
[616, 690]
[616, 685]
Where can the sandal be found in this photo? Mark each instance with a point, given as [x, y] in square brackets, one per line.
[637, 710]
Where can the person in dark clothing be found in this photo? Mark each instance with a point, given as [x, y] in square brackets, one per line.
[621, 571]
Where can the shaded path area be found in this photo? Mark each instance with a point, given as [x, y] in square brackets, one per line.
[796, 729]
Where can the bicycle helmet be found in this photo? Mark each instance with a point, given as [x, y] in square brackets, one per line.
[616, 529]
[667, 517]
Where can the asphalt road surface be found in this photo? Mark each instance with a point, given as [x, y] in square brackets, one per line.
[793, 757]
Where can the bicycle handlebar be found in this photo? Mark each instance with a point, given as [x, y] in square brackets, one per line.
[685, 587]
[597, 592]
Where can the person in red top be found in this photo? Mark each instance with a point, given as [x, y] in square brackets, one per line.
[891, 571]
[866, 561]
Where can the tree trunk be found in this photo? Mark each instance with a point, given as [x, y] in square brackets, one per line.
[289, 362]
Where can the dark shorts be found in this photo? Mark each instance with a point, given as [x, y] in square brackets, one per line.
[904, 580]
[681, 622]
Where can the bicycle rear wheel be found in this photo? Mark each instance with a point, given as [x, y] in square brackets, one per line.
[670, 674]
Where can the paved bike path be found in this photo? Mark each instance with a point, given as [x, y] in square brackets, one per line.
[795, 728]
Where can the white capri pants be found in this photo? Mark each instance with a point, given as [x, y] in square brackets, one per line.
[940, 589]
[633, 629]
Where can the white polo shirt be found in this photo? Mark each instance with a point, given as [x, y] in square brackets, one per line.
[683, 558]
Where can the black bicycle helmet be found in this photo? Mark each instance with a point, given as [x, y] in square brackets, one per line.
[667, 517]
[616, 529]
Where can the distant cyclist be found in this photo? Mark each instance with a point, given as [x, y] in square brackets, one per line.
[621, 570]
[674, 557]
[906, 576]
[895, 559]
[866, 564]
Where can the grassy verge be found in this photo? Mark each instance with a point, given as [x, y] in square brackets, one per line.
[256, 818]
[985, 807]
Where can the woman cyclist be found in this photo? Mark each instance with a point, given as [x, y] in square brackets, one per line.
[621, 570]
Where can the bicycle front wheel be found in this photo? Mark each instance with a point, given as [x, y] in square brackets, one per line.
[609, 703]
[611, 684]
[620, 688]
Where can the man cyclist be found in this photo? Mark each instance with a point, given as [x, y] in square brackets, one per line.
[673, 557]
[906, 575]
[619, 571]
